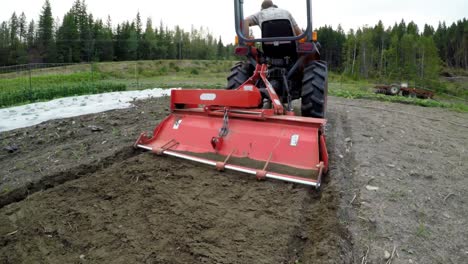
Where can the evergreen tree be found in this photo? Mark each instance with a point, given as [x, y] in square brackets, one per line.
[104, 50]
[4, 43]
[31, 34]
[428, 31]
[22, 27]
[147, 48]
[220, 53]
[45, 41]
[68, 45]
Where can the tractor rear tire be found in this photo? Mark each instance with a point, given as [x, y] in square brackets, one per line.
[240, 73]
[314, 89]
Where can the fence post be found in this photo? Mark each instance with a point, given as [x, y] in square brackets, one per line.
[136, 75]
[92, 72]
[30, 82]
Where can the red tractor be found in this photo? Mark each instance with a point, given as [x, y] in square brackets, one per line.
[294, 66]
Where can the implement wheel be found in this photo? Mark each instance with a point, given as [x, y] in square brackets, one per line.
[394, 90]
[314, 89]
[240, 73]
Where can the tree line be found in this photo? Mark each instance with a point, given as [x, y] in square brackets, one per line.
[401, 51]
[78, 37]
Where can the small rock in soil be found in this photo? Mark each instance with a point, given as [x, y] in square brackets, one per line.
[347, 139]
[387, 255]
[372, 188]
[428, 177]
[95, 128]
[11, 149]
[303, 236]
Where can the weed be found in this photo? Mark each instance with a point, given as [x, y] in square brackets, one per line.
[422, 230]
[80, 151]
[396, 195]
[116, 132]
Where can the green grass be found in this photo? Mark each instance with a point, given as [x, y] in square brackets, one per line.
[83, 79]
[167, 73]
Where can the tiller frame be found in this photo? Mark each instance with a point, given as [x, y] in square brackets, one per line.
[232, 125]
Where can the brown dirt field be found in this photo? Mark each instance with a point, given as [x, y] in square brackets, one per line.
[70, 195]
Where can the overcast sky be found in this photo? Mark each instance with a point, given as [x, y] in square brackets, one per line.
[218, 15]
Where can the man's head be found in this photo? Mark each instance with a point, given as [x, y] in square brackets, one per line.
[267, 4]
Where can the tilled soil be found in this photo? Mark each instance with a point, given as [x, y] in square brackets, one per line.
[397, 183]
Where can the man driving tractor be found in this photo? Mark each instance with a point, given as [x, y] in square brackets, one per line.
[269, 11]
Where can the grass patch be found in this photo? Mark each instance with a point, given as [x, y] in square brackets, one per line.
[83, 79]
[9, 97]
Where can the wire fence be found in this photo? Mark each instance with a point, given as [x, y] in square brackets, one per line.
[44, 81]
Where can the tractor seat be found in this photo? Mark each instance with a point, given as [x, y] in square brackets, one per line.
[278, 49]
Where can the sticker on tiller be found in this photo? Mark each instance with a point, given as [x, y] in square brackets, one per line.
[248, 87]
[207, 96]
[294, 140]
[177, 124]
[271, 89]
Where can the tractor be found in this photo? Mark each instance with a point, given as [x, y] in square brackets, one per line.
[294, 67]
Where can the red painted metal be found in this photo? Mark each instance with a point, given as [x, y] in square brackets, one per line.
[305, 47]
[241, 50]
[253, 139]
[271, 138]
[261, 71]
[229, 98]
[323, 152]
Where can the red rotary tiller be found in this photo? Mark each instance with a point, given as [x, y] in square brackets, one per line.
[227, 129]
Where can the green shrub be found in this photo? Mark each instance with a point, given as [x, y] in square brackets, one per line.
[194, 71]
[163, 70]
